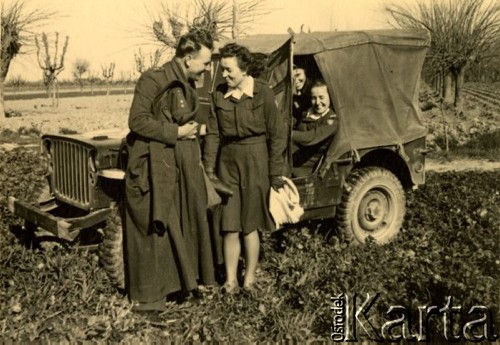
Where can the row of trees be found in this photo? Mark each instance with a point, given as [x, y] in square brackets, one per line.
[17, 24]
[94, 80]
[217, 17]
[53, 64]
[465, 34]
[82, 72]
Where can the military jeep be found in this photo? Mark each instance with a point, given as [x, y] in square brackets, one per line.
[358, 178]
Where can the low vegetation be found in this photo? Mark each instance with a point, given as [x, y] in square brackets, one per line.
[447, 247]
[475, 133]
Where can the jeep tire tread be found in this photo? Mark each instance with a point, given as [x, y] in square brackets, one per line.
[372, 204]
[111, 249]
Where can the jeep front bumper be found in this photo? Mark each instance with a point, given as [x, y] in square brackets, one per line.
[65, 228]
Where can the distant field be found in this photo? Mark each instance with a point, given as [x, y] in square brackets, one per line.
[64, 93]
[79, 114]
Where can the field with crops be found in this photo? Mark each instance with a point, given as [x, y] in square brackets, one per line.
[448, 247]
[488, 95]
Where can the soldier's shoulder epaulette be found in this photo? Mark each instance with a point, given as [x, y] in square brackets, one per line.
[179, 101]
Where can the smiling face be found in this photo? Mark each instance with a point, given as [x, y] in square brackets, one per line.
[199, 62]
[231, 72]
[299, 79]
[320, 100]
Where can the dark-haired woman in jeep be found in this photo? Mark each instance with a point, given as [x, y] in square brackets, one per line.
[316, 126]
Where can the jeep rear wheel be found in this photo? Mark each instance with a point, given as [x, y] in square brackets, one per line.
[373, 204]
[111, 249]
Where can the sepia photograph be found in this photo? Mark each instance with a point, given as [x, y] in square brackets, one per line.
[249, 171]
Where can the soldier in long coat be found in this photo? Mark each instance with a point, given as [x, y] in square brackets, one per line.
[167, 236]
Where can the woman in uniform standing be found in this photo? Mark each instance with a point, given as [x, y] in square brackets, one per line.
[244, 149]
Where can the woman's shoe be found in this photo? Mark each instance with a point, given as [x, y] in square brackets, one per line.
[230, 288]
[150, 307]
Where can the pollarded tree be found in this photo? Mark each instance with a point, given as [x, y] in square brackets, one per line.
[17, 23]
[219, 17]
[462, 32]
[142, 63]
[108, 73]
[80, 67]
[93, 78]
[51, 65]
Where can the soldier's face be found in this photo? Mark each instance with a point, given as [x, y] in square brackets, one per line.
[231, 72]
[199, 62]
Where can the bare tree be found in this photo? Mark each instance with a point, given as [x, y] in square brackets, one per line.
[219, 17]
[51, 66]
[462, 32]
[80, 67]
[17, 23]
[108, 73]
[93, 78]
[144, 63]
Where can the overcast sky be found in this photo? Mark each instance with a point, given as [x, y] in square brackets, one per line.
[104, 31]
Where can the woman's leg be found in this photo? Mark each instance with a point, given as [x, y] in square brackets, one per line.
[252, 247]
[232, 249]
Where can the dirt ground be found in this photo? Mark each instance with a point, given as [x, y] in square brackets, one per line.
[81, 114]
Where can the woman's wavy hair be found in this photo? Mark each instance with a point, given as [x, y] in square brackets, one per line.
[318, 83]
[241, 53]
[258, 65]
[253, 63]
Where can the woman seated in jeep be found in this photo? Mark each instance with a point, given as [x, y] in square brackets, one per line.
[320, 121]
[313, 131]
[301, 92]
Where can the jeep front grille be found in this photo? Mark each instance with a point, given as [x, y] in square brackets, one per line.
[71, 179]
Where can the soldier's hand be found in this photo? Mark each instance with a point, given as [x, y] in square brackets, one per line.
[187, 131]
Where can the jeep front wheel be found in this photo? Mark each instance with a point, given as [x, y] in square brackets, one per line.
[373, 204]
[111, 249]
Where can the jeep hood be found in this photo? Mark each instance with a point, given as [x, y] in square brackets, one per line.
[111, 137]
